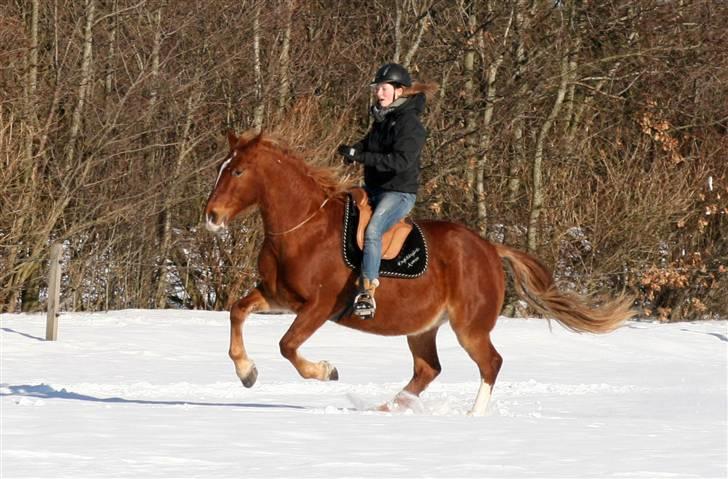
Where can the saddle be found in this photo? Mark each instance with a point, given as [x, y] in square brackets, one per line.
[404, 249]
[393, 238]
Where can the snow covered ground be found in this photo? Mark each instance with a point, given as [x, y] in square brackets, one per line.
[152, 394]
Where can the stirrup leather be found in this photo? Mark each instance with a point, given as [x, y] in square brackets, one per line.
[364, 305]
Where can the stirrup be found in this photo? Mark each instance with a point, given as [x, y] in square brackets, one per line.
[364, 305]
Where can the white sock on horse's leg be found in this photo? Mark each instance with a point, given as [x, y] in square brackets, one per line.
[481, 400]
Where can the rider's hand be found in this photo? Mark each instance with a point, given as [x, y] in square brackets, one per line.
[348, 152]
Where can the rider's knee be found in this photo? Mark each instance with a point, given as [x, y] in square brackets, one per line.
[373, 233]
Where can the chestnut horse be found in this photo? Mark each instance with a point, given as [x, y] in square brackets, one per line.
[302, 271]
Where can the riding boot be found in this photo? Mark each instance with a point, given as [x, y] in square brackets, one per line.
[364, 304]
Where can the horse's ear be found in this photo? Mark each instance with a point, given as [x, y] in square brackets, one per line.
[232, 139]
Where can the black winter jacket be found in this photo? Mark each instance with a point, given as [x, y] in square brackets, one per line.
[391, 150]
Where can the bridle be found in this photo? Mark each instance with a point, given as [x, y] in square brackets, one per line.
[290, 230]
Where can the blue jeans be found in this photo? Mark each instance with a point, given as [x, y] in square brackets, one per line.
[388, 208]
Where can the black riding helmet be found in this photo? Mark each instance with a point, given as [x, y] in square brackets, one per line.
[393, 73]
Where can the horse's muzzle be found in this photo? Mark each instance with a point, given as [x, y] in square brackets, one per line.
[213, 223]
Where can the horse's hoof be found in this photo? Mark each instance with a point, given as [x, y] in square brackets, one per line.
[402, 402]
[250, 378]
[329, 372]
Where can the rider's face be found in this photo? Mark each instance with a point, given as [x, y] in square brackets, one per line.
[386, 93]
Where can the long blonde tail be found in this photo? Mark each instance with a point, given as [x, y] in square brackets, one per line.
[535, 284]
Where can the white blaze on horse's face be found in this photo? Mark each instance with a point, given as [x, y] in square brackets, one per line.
[210, 223]
[222, 168]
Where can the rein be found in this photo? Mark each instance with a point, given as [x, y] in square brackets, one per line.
[302, 222]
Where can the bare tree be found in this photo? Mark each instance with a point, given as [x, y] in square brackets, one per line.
[537, 195]
[259, 103]
[518, 159]
[471, 123]
[491, 74]
[285, 58]
[183, 150]
[592, 127]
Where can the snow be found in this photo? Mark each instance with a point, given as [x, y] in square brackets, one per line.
[153, 394]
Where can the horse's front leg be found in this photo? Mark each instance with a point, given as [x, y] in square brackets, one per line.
[306, 323]
[244, 366]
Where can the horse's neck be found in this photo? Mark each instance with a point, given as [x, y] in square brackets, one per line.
[289, 201]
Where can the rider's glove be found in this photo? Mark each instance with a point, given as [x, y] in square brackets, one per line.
[349, 153]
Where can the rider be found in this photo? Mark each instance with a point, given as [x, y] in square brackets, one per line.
[390, 153]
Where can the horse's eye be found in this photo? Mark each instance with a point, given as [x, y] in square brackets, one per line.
[237, 172]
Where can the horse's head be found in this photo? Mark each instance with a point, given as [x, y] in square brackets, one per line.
[236, 188]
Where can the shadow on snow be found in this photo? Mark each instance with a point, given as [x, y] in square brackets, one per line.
[44, 391]
[722, 337]
[30, 336]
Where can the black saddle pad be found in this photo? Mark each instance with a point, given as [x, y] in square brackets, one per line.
[411, 261]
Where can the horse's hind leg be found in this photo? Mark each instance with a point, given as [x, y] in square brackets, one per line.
[244, 366]
[426, 368]
[489, 363]
[474, 336]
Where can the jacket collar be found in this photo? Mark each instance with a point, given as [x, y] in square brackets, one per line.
[399, 106]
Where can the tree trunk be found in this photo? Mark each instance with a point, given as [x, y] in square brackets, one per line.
[537, 194]
[30, 291]
[485, 144]
[470, 114]
[397, 31]
[518, 159]
[83, 86]
[109, 74]
[487, 128]
[156, 49]
[56, 65]
[166, 242]
[398, 56]
[153, 260]
[284, 63]
[259, 105]
[32, 76]
[416, 43]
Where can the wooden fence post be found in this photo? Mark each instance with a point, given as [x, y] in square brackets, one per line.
[54, 292]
